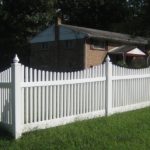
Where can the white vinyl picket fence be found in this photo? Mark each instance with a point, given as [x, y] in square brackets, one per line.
[32, 99]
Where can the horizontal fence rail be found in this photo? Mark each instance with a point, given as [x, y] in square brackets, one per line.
[130, 86]
[32, 99]
[57, 95]
[57, 101]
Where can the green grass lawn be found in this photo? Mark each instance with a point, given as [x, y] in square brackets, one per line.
[126, 131]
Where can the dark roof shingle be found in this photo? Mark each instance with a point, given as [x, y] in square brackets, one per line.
[107, 35]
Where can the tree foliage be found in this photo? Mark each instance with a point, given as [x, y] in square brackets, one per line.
[127, 16]
[137, 20]
[93, 13]
[21, 19]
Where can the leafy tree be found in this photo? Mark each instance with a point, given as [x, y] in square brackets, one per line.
[137, 18]
[93, 13]
[19, 19]
[146, 18]
[127, 16]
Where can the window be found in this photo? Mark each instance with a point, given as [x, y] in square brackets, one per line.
[44, 45]
[98, 44]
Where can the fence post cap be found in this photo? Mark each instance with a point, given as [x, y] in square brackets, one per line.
[107, 58]
[16, 59]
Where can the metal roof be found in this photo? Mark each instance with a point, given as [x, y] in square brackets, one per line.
[49, 35]
[44, 36]
[72, 32]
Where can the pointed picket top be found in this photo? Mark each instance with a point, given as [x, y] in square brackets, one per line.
[16, 59]
[107, 58]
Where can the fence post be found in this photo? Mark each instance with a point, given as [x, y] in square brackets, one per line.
[108, 102]
[16, 97]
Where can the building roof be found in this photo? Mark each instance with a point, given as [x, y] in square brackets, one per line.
[44, 36]
[74, 32]
[49, 34]
[128, 49]
[107, 35]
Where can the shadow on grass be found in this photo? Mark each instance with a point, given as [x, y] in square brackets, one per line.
[5, 135]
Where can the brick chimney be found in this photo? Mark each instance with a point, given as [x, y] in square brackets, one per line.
[57, 27]
[57, 38]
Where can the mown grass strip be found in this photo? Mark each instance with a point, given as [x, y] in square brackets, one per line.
[126, 131]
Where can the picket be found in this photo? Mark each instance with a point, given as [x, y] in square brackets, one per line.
[49, 99]
[5, 97]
